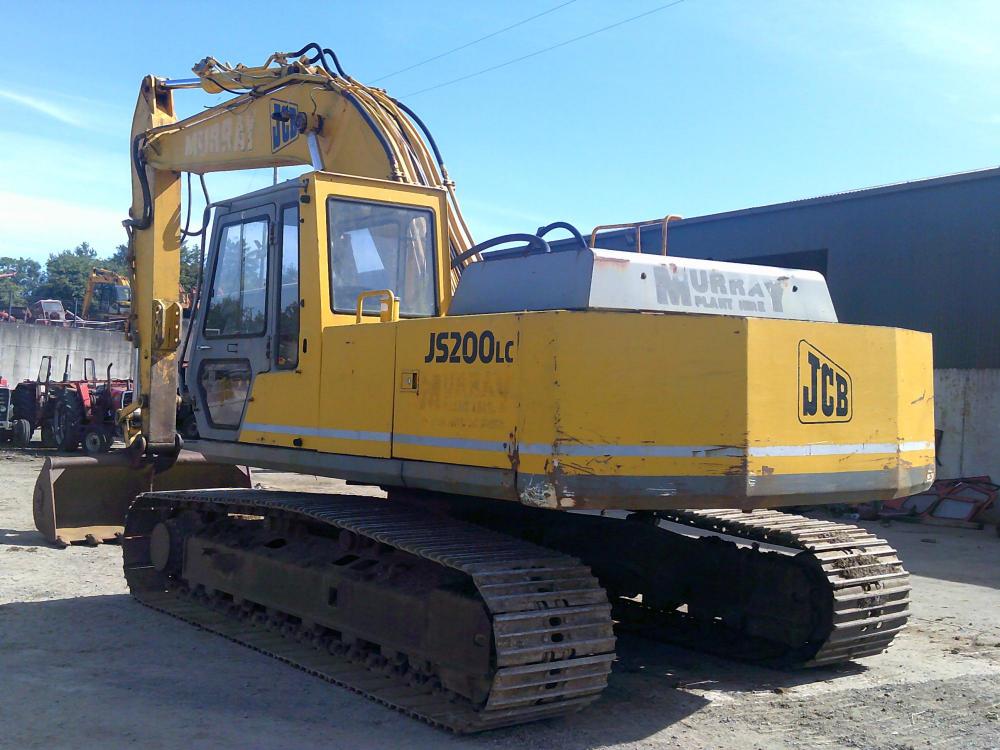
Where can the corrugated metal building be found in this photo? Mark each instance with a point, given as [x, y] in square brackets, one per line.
[922, 255]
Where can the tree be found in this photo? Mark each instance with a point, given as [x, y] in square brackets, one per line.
[17, 289]
[117, 261]
[66, 275]
[189, 267]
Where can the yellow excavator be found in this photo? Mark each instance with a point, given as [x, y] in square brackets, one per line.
[570, 438]
[107, 297]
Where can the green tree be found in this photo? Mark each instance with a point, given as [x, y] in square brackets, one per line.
[189, 266]
[118, 262]
[18, 289]
[66, 275]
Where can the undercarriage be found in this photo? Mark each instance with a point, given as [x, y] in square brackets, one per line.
[476, 615]
[459, 626]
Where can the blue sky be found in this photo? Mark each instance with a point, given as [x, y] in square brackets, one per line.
[707, 106]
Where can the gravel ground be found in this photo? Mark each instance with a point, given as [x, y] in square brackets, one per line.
[80, 661]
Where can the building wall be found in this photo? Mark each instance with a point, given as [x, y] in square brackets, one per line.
[22, 347]
[967, 411]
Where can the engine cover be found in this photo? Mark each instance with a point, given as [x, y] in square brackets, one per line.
[593, 279]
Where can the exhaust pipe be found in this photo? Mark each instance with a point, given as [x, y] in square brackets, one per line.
[85, 498]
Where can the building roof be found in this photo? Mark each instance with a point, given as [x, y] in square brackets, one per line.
[977, 174]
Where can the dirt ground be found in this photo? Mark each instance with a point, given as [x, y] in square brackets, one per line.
[81, 662]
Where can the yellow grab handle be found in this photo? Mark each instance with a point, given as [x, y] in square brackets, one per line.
[389, 312]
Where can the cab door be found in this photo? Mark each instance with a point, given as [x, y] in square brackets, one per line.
[376, 238]
[233, 338]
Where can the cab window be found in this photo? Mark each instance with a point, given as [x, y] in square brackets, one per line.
[237, 303]
[382, 246]
[112, 298]
[288, 295]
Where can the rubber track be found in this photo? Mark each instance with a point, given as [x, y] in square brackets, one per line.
[867, 582]
[542, 671]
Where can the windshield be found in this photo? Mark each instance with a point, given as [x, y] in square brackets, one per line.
[379, 246]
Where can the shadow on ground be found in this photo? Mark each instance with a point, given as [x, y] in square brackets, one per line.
[30, 538]
[95, 661]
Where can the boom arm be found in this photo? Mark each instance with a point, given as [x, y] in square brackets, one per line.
[291, 111]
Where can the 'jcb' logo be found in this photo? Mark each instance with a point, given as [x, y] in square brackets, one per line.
[824, 387]
[284, 128]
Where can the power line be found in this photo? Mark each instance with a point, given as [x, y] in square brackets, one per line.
[474, 41]
[544, 49]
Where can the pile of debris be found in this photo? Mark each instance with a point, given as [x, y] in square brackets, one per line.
[965, 502]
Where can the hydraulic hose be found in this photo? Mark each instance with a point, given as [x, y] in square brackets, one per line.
[139, 164]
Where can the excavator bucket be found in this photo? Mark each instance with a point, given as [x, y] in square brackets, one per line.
[85, 498]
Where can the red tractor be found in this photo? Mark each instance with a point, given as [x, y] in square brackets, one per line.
[6, 412]
[69, 412]
[83, 411]
[31, 408]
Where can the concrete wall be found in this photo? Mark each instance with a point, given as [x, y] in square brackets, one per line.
[967, 409]
[22, 346]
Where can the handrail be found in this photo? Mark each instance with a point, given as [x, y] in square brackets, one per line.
[638, 226]
[389, 312]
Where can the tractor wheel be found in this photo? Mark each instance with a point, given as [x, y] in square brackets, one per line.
[96, 441]
[22, 433]
[189, 428]
[67, 419]
[23, 403]
[48, 435]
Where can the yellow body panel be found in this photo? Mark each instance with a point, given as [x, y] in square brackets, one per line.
[465, 408]
[890, 401]
[361, 354]
[628, 379]
[613, 409]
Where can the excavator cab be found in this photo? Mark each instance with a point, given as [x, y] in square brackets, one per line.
[250, 351]
[262, 322]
